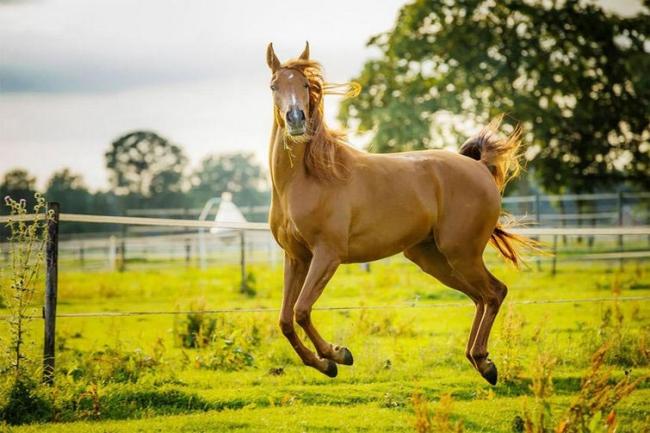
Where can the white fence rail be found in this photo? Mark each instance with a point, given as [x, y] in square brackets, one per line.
[249, 226]
[244, 243]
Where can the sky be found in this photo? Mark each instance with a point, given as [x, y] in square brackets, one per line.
[77, 74]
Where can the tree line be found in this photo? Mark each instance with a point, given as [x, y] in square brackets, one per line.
[147, 171]
[574, 75]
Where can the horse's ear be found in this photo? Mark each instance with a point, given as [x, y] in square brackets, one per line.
[305, 52]
[272, 59]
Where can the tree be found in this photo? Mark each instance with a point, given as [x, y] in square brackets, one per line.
[237, 173]
[18, 184]
[143, 164]
[573, 75]
[69, 190]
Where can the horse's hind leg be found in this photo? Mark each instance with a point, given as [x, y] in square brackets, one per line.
[470, 268]
[475, 284]
[493, 300]
[430, 260]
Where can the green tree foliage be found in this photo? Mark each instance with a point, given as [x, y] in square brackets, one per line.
[143, 164]
[575, 76]
[18, 184]
[237, 173]
[68, 189]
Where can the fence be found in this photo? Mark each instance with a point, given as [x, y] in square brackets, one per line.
[191, 244]
[52, 260]
[621, 208]
[149, 245]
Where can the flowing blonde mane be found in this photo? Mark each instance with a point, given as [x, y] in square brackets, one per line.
[323, 157]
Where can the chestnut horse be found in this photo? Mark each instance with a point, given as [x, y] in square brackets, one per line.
[334, 204]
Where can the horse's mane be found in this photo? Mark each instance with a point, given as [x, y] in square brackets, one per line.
[323, 157]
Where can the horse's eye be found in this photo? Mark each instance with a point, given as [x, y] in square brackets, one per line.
[274, 87]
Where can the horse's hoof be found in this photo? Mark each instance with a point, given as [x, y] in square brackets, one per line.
[347, 356]
[342, 355]
[490, 373]
[331, 370]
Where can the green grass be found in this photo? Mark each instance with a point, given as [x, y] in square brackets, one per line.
[128, 374]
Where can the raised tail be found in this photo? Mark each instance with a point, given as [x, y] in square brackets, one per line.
[501, 156]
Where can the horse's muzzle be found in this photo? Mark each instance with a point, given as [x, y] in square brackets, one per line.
[296, 121]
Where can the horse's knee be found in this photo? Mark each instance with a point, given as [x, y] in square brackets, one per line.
[502, 291]
[302, 316]
[286, 326]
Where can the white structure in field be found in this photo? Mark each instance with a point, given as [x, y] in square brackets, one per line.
[227, 212]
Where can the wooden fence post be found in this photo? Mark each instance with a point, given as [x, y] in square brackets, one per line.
[188, 252]
[554, 263]
[242, 256]
[122, 257]
[538, 220]
[51, 286]
[619, 206]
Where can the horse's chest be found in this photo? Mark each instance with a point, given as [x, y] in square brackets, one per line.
[287, 234]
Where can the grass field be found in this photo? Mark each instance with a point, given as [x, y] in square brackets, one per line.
[235, 371]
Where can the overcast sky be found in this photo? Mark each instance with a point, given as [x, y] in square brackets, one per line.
[76, 74]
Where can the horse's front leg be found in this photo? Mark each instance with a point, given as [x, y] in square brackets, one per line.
[323, 266]
[295, 271]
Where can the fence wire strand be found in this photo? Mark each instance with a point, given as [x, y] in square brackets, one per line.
[405, 306]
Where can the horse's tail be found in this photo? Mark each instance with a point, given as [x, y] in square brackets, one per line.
[501, 156]
[508, 244]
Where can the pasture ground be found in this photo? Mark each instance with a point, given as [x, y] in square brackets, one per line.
[132, 374]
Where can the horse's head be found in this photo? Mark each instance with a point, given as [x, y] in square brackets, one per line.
[291, 93]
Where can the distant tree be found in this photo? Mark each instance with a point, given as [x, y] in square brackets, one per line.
[69, 190]
[575, 76]
[237, 173]
[143, 164]
[18, 184]
[106, 203]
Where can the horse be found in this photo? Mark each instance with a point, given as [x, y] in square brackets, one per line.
[333, 204]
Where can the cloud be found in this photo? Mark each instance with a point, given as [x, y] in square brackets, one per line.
[76, 74]
[112, 45]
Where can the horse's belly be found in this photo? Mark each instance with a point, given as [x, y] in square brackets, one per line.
[383, 242]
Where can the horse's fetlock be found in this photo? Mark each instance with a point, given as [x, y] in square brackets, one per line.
[479, 355]
[286, 326]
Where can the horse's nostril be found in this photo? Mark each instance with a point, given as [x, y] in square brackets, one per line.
[295, 115]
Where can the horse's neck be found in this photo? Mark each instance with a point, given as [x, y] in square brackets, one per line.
[286, 160]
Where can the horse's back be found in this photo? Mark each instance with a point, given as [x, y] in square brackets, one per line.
[432, 175]
[399, 200]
